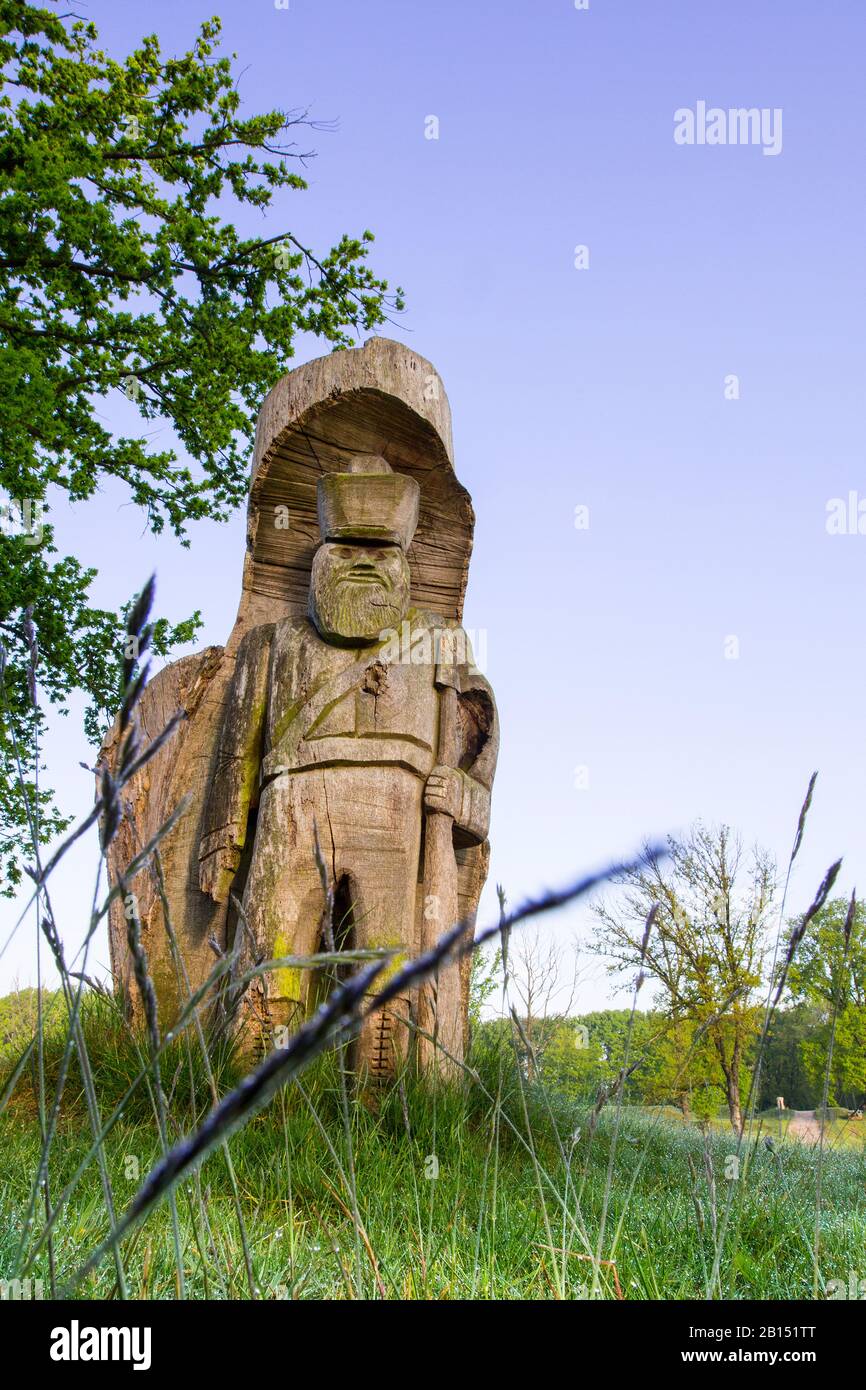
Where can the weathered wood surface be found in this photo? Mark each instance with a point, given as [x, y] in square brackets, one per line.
[183, 768]
[379, 400]
[348, 742]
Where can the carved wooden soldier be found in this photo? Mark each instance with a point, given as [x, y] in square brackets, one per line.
[314, 717]
[333, 731]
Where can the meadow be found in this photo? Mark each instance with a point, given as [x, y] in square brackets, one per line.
[489, 1188]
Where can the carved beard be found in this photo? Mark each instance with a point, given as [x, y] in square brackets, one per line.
[348, 610]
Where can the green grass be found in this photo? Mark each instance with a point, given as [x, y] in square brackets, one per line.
[515, 1189]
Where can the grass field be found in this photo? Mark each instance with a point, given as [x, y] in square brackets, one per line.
[426, 1194]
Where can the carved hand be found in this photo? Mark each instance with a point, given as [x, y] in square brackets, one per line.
[444, 791]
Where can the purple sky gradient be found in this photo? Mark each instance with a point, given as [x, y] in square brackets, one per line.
[602, 387]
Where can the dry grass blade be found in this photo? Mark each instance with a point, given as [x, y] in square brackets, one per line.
[603, 1264]
[804, 811]
[338, 1018]
[800, 930]
[452, 946]
[338, 1015]
[374, 1263]
[849, 921]
[825, 1098]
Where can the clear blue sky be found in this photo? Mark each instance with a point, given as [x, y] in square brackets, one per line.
[601, 387]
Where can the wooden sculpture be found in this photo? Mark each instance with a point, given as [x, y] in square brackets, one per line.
[344, 723]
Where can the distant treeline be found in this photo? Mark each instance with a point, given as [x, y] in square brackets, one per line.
[747, 998]
[582, 1053]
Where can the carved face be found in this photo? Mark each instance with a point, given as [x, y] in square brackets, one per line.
[357, 591]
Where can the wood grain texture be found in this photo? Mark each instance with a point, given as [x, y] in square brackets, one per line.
[248, 832]
[379, 399]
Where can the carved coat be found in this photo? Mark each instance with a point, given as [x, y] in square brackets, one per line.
[297, 702]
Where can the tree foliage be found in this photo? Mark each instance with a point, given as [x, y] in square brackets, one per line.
[707, 946]
[828, 975]
[121, 280]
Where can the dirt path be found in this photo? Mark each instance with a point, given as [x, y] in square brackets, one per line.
[803, 1125]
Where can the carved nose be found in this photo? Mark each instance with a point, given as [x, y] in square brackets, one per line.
[364, 569]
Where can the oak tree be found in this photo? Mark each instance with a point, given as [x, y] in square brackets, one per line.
[122, 275]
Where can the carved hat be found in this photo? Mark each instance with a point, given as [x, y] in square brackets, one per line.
[369, 502]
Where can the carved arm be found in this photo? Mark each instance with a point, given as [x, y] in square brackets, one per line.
[235, 785]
